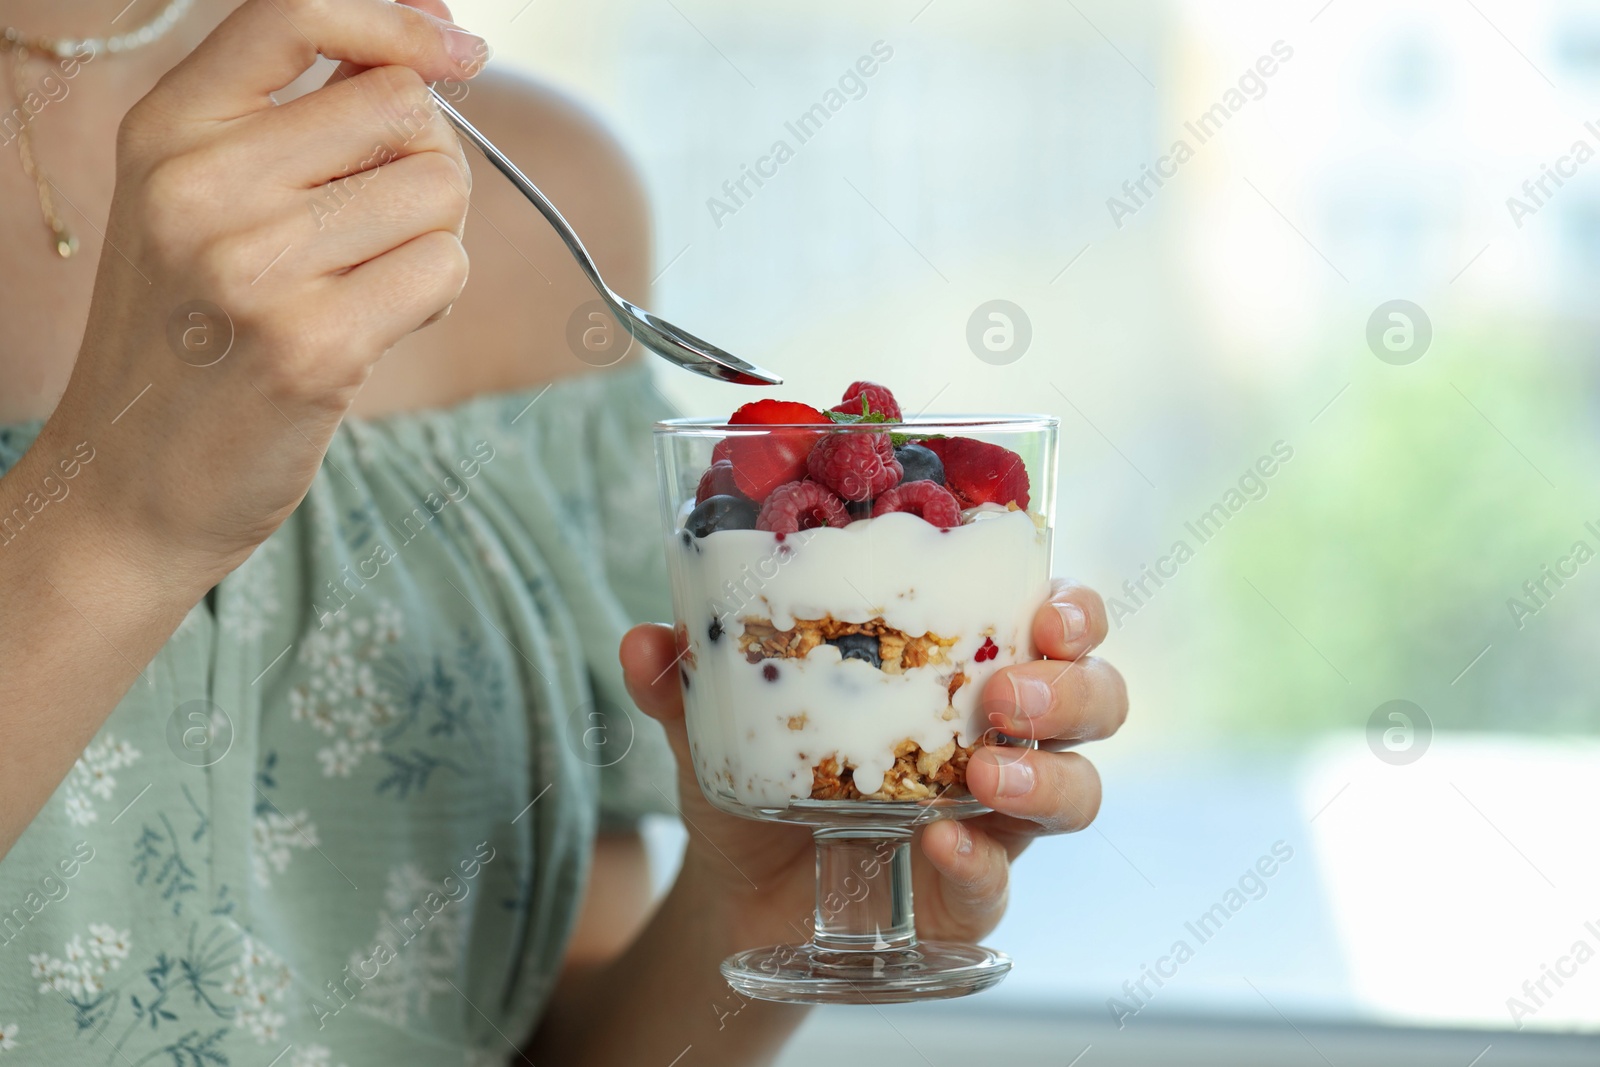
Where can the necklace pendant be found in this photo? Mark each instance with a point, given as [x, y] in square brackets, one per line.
[22, 46]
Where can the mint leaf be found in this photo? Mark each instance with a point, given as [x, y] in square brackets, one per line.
[851, 420]
[900, 440]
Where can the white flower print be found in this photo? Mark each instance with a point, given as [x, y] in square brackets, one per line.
[259, 978]
[79, 811]
[82, 970]
[387, 623]
[91, 775]
[311, 1056]
[274, 836]
[342, 757]
[342, 698]
[256, 583]
[107, 943]
[427, 946]
[8, 1036]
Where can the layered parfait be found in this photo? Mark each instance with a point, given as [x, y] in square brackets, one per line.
[845, 584]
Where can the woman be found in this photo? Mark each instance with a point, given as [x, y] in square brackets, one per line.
[302, 645]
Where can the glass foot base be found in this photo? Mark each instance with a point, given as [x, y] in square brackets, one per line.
[808, 974]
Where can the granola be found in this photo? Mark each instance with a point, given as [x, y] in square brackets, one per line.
[916, 775]
[898, 651]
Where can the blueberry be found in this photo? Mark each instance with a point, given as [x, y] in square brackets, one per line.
[714, 631]
[722, 513]
[863, 647]
[921, 465]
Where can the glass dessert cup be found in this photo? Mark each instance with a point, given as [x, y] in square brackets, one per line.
[832, 660]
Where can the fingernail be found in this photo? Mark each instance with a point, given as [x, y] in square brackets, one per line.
[1033, 695]
[1073, 621]
[467, 49]
[1016, 775]
[963, 841]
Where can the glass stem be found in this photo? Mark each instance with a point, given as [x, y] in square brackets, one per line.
[864, 890]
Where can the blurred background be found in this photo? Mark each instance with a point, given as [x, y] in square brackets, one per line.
[1380, 658]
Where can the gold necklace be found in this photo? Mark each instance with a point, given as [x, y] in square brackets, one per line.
[21, 47]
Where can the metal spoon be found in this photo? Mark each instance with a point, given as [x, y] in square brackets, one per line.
[657, 334]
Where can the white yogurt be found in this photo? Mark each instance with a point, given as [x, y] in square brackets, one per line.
[981, 580]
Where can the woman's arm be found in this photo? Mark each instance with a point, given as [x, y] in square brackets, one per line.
[663, 994]
[87, 604]
[197, 458]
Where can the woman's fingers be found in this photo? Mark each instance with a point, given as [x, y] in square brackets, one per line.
[973, 871]
[421, 278]
[266, 44]
[436, 8]
[355, 125]
[649, 657]
[386, 208]
[1059, 791]
[1070, 622]
[1073, 701]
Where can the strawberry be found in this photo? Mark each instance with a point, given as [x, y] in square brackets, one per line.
[980, 473]
[763, 462]
[770, 412]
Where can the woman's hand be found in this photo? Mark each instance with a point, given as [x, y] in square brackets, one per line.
[765, 870]
[258, 261]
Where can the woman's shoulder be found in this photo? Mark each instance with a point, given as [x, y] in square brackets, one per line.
[509, 329]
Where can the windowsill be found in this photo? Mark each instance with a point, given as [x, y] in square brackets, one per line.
[980, 1031]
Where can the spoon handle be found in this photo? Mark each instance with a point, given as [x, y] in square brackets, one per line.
[528, 189]
[676, 345]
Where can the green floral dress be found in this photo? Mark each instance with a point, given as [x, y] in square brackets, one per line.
[345, 817]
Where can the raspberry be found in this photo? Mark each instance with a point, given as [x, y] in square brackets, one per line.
[878, 398]
[717, 481]
[801, 506]
[980, 473]
[930, 502]
[857, 466]
[762, 462]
